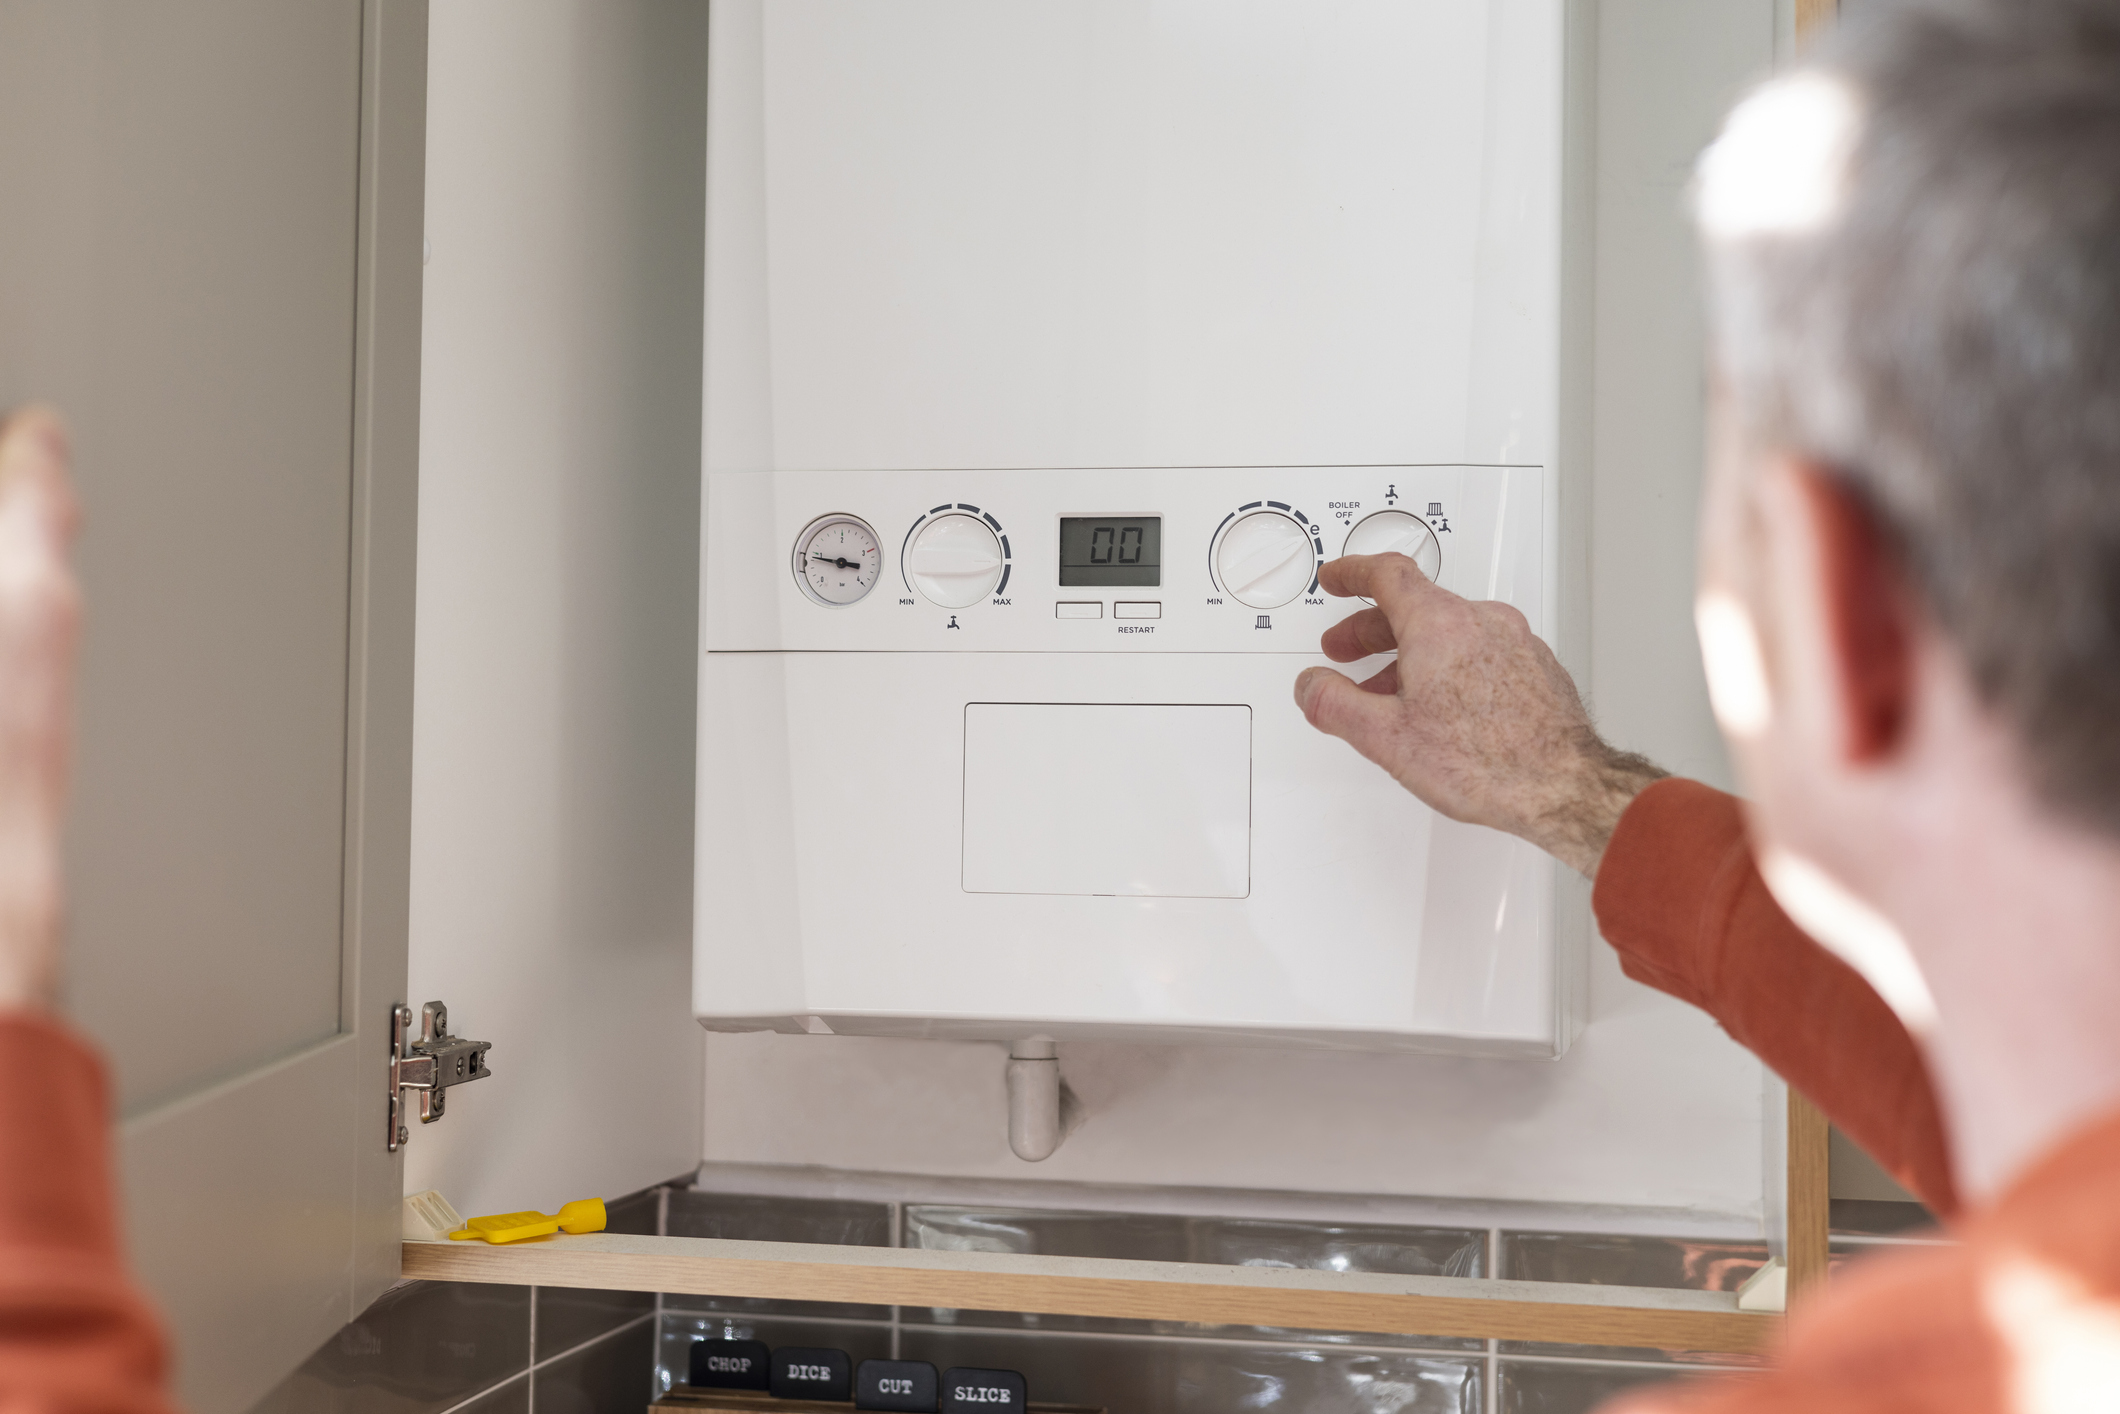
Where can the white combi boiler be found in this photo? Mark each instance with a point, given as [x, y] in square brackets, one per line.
[1052, 346]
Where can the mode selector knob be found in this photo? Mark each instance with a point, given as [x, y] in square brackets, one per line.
[1397, 533]
[1265, 559]
[955, 560]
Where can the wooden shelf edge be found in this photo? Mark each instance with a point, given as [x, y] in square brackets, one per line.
[1080, 1286]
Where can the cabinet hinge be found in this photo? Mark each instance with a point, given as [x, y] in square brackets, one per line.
[429, 1065]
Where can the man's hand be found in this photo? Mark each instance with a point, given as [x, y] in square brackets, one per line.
[1476, 717]
[39, 619]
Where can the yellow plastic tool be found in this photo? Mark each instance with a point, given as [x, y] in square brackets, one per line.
[582, 1215]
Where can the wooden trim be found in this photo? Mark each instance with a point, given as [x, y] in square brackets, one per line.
[1080, 1286]
[1809, 1196]
[1810, 14]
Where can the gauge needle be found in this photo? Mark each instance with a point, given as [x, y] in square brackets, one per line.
[842, 563]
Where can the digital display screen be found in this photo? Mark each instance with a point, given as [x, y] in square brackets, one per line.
[1111, 552]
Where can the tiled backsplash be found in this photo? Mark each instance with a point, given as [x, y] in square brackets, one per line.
[1133, 1367]
[1156, 1237]
[1565, 1386]
[447, 1348]
[430, 1346]
[747, 1218]
[1605, 1259]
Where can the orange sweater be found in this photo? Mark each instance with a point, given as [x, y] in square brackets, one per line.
[2023, 1312]
[75, 1334]
[1678, 897]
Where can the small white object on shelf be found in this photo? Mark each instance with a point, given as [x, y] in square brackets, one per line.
[1766, 1289]
[429, 1218]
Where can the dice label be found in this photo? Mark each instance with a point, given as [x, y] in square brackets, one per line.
[801, 1372]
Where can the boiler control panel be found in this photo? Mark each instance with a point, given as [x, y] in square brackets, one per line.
[1099, 560]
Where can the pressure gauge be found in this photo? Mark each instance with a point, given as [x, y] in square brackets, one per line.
[837, 560]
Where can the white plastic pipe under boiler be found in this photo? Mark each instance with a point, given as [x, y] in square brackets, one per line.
[1034, 1099]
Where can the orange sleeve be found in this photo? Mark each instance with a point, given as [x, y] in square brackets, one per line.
[75, 1333]
[1678, 897]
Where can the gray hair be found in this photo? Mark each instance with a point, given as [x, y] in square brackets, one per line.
[1925, 299]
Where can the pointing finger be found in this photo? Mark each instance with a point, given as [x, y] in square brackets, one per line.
[1393, 580]
[1359, 635]
[1334, 705]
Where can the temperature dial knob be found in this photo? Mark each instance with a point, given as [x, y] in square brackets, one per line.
[1265, 559]
[955, 560]
[1397, 533]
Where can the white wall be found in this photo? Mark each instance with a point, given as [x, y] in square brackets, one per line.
[552, 809]
[1653, 1106]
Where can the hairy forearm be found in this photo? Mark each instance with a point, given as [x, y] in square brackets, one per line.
[1474, 715]
[1577, 824]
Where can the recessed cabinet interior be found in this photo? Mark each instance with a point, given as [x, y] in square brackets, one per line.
[860, 712]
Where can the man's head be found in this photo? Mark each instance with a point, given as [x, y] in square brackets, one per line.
[1913, 250]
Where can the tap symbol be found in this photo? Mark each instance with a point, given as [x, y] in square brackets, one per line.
[953, 621]
[1391, 497]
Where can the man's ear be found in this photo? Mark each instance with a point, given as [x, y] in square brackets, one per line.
[1869, 614]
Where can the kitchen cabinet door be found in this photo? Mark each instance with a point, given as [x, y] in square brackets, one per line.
[210, 261]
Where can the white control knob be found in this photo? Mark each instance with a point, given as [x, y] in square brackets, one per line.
[955, 560]
[1397, 533]
[1265, 560]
